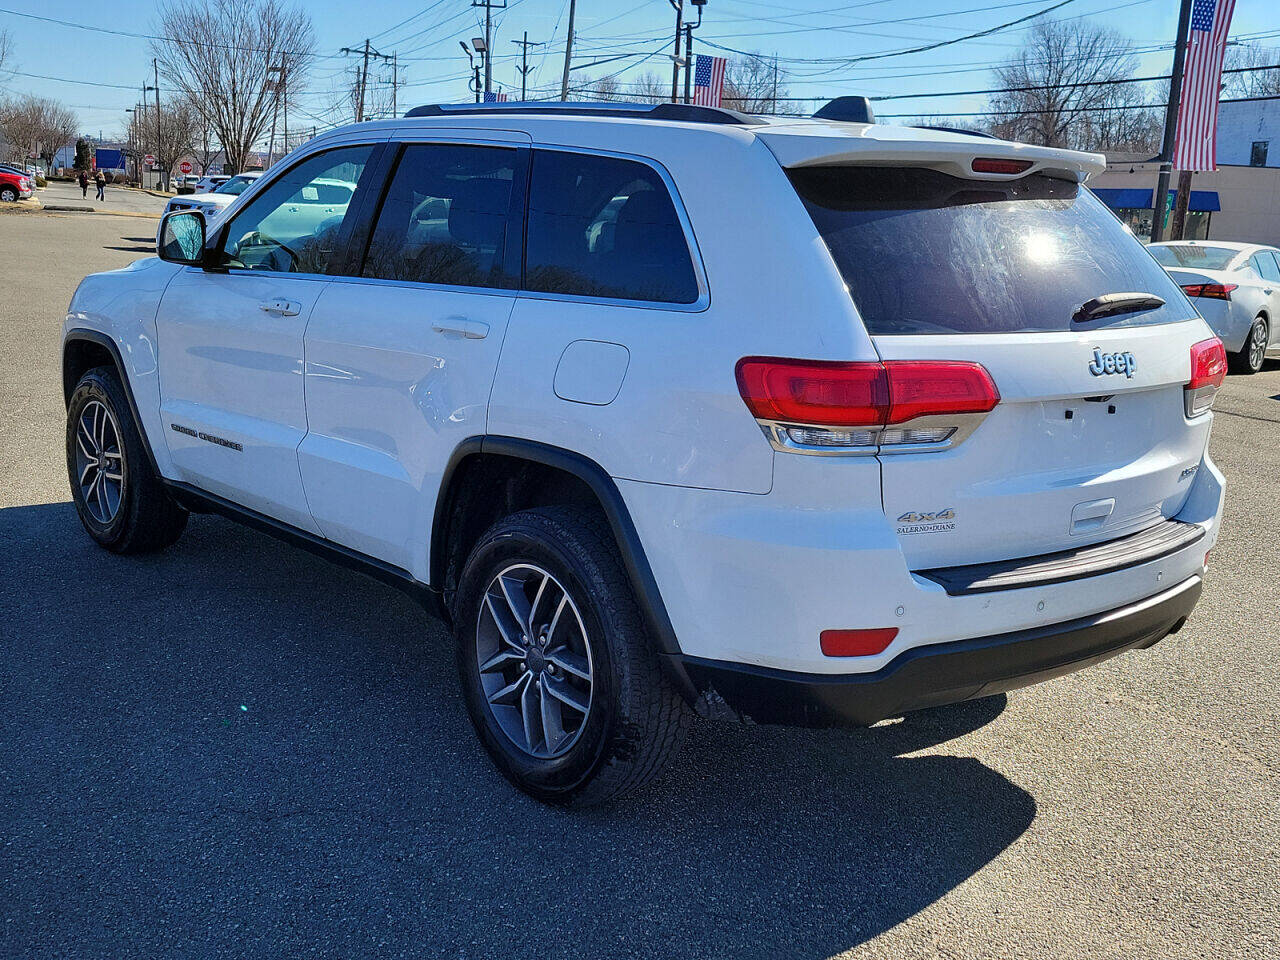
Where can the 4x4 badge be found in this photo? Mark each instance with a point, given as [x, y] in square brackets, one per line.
[1104, 363]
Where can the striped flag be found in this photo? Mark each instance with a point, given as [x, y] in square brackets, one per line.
[708, 80]
[1193, 147]
[491, 97]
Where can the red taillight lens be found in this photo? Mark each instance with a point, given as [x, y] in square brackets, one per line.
[1208, 370]
[1208, 364]
[1213, 291]
[838, 394]
[857, 643]
[822, 392]
[999, 165]
[926, 388]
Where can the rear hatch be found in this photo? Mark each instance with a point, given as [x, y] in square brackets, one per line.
[1089, 440]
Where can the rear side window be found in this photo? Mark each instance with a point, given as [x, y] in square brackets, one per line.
[605, 227]
[1196, 257]
[923, 252]
[445, 216]
[1265, 264]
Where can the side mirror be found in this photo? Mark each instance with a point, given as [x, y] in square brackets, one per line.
[181, 238]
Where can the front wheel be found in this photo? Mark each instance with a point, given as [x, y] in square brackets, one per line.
[557, 671]
[121, 502]
[1250, 359]
[8, 194]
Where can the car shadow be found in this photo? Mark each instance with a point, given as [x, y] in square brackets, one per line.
[235, 748]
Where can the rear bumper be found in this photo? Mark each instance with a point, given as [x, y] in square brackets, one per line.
[944, 673]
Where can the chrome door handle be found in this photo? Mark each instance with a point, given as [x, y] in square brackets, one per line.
[283, 308]
[462, 327]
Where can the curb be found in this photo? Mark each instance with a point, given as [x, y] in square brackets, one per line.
[67, 208]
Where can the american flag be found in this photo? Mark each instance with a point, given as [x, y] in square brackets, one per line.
[708, 80]
[1193, 147]
[491, 97]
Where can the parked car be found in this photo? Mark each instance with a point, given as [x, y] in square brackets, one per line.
[1236, 288]
[211, 182]
[185, 184]
[920, 423]
[209, 205]
[15, 184]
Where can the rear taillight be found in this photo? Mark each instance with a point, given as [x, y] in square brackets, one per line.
[834, 406]
[999, 165]
[1213, 291]
[1208, 370]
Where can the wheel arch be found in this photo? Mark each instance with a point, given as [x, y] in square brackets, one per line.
[84, 349]
[490, 476]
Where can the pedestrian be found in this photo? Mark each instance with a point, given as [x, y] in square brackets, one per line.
[84, 185]
[101, 181]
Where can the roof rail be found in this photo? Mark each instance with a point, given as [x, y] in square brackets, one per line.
[682, 112]
[848, 109]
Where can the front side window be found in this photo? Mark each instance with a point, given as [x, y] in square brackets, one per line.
[292, 226]
[605, 227]
[445, 216]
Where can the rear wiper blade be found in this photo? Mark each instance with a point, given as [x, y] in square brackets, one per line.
[1113, 304]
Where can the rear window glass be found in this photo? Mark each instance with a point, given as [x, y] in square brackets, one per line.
[605, 227]
[1203, 258]
[924, 252]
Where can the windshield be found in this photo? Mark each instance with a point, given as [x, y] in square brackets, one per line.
[924, 252]
[1203, 258]
[235, 186]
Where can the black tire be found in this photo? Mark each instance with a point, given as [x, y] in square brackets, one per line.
[1250, 359]
[636, 720]
[146, 518]
[8, 194]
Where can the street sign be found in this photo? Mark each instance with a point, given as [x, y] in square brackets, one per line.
[185, 166]
[149, 160]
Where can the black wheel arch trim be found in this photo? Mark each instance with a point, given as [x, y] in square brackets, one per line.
[83, 334]
[631, 550]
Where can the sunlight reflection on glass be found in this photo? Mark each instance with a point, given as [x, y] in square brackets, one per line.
[1040, 247]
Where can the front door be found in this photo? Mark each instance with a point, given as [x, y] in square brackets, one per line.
[401, 356]
[230, 339]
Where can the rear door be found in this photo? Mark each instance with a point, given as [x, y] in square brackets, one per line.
[401, 352]
[1089, 440]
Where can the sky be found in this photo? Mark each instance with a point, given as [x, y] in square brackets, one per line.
[98, 74]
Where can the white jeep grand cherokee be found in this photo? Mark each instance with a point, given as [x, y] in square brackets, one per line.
[673, 410]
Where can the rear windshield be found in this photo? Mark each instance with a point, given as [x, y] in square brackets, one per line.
[1203, 258]
[924, 252]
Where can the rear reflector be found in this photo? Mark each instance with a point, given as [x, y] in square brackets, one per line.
[1208, 370]
[857, 643]
[999, 165]
[1213, 291]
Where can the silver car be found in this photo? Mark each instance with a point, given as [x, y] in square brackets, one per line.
[1236, 288]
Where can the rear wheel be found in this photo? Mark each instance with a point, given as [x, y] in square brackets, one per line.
[121, 502]
[1254, 354]
[559, 676]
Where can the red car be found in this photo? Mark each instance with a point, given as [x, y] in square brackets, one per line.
[14, 185]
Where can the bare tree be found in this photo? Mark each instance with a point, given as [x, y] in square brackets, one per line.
[170, 139]
[36, 127]
[60, 127]
[1255, 83]
[218, 54]
[756, 84]
[1075, 68]
[204, 137]
[6, 49]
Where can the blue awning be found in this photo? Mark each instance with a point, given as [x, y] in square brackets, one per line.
[1202, 201]
[1126, 198]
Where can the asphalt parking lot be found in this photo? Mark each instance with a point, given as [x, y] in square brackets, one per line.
[236, 749]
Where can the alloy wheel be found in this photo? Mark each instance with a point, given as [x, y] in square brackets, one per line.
[99, 461]
[535, 660]
[1257, 344]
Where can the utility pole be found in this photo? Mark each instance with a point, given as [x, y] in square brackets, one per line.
[489, 7]
[395, 87]
[275, 110]
[475, 70]
[678, 6]
[688, 50]
[363, 82]
[524, 67]
[568, 52]
[1170, 123]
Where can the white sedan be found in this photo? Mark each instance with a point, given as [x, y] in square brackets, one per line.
[1236, 288]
